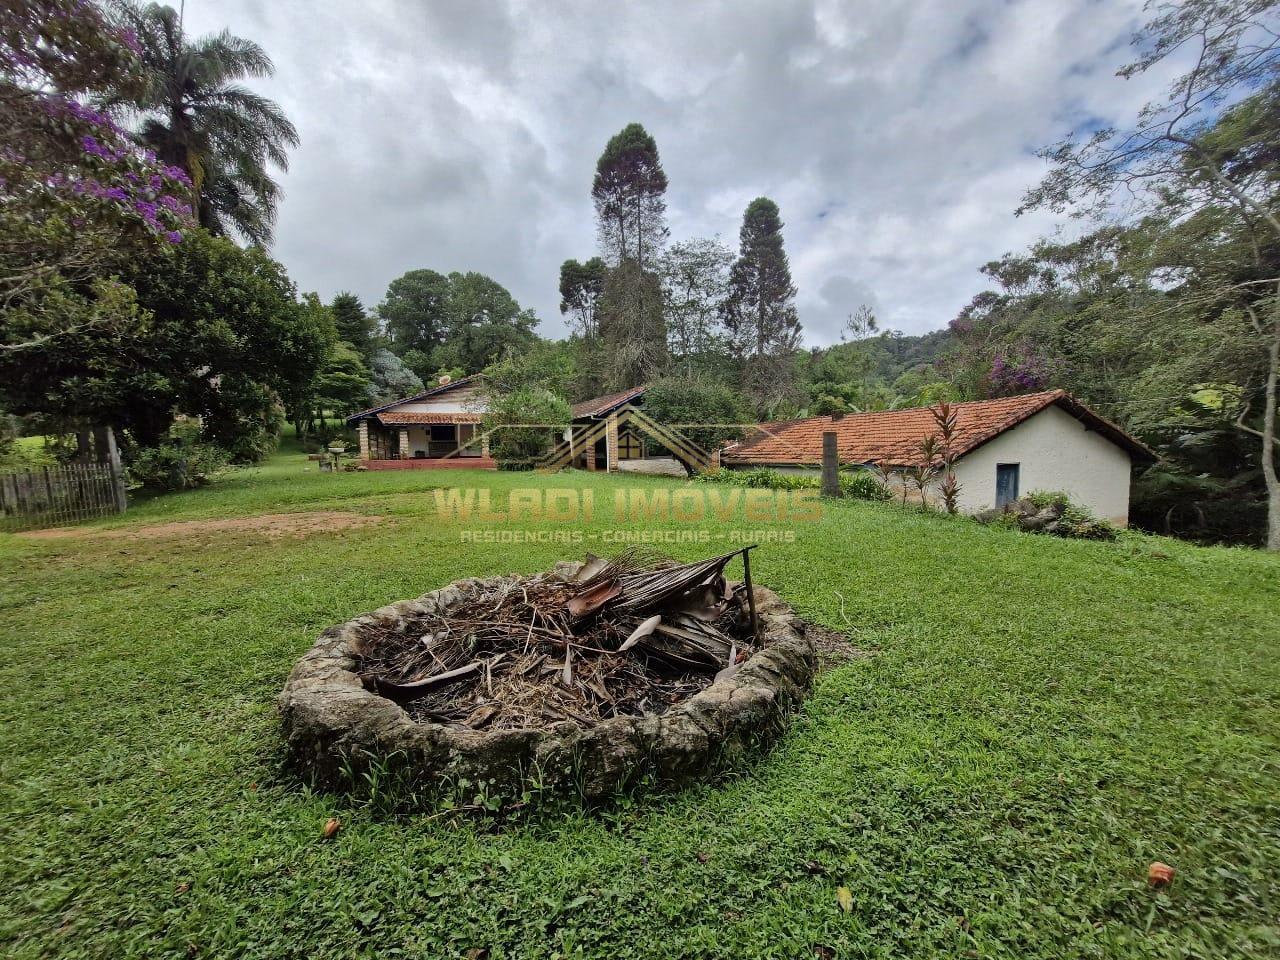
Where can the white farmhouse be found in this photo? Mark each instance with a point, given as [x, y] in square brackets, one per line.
[439, 427]
[1007, 447]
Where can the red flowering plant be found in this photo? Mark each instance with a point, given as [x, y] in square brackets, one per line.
[77, 196]
[946, 419]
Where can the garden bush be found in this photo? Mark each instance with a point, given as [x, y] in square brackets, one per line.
[854, 484]
[1076, 520]
[176, 466]
[863, 485]
[526, 423]
[760, 478]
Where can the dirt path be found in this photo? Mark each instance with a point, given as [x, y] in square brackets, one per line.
[271, 525]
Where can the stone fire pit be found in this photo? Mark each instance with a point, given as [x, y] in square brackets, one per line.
[336, 725]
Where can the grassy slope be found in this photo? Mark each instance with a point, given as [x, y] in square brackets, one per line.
[1042, 719]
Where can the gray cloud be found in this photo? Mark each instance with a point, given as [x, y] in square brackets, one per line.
[896, 138]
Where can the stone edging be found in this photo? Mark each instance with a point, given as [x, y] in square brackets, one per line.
[333, 726]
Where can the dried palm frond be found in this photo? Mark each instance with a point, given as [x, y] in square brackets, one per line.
[627, 636]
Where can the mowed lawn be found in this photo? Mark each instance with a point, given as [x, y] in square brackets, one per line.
[1036, 722]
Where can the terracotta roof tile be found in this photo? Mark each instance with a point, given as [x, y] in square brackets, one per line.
[893, 436]
[598, 405]
[396, 418]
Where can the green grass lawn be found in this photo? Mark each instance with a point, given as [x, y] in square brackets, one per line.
[1039, 720]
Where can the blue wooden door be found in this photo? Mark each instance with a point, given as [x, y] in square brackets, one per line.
[1006, 483]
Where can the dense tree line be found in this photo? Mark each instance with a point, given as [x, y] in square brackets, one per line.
[1165, 315]
[130, 151]
[136, 158]
[154, 314]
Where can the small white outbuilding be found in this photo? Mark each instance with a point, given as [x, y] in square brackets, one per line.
[1004, 448]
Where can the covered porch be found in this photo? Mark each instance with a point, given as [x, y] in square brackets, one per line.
[393, 440]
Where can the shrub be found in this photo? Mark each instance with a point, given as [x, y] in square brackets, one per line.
[246, 421]
[760, 479]
[526, 423]
[176, 466]
[1076, 521]
[863, 485]
[855, 484]
[519, 464]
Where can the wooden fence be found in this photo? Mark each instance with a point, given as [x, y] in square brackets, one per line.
[56, 495]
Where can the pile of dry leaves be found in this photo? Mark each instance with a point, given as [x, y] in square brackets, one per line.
[624, 637]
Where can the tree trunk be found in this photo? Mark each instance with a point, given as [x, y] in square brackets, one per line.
[1269, 433]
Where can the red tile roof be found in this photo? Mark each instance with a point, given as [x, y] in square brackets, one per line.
[395, 418]
[893, 436]
[600, 405]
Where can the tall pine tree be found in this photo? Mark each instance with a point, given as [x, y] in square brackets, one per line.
[628, 192]
[760, 312]
[354, 325]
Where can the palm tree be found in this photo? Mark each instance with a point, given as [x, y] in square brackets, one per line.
[195, 115]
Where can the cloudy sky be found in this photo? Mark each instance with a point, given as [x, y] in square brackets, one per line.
[897, 137]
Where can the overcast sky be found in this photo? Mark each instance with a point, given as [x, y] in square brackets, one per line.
[896, 137]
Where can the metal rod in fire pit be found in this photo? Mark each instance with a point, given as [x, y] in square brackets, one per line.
[751, 594]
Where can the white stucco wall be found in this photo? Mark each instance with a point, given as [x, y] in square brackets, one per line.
[417, 440]
[465, 399]
[1054, 451]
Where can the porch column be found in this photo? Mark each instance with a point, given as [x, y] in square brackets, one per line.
[484, 445]
[611, 443]
[364, 439]
[404, 444]
[590, 451]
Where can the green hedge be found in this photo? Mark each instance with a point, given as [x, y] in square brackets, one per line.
[854, 484]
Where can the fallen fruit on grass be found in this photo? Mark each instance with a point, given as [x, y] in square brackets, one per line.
[331, 828]
[844, 897]
[1160, 874]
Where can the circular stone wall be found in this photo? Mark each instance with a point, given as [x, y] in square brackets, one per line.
[334, 727]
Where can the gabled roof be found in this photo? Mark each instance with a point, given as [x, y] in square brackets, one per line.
[394, 418]
[599, 406]
[893, 437]
[429, 392]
